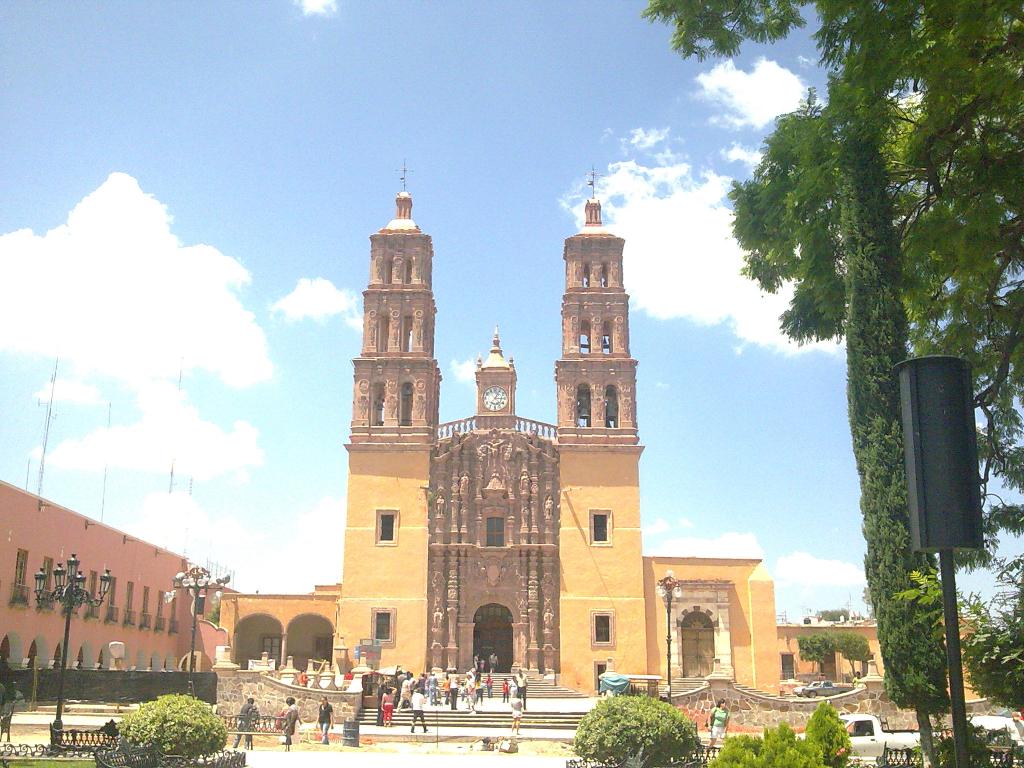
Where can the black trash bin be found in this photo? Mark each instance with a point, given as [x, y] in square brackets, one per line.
[350, 733]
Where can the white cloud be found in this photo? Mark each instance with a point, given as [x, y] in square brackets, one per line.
[681, 260]
[317, 7]
[660, 525]
[170, 430]
[728, 544]
[69, 391]
[801, 568]
[464, 370]
[740, 154]
[751, 99]
[270, 559]
[114, 292]
[318, 299]
[647, 138]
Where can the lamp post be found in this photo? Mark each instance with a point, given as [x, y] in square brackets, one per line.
[669, 588]
[197, 582]
[69, 592]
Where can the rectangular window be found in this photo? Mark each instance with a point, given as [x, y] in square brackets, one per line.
[145, 599]
[48, 570]
[383, 625]
[788, 667]
[112, 592]
[601, 628]
[129, 593]
[600, 526]
[387, 526]
[271, 645]
[20, 567]
[495, 532]
[160, 604]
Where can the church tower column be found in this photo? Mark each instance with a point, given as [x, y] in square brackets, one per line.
[601, 609]
[394, 427]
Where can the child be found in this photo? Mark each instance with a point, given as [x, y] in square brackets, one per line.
[389, 707]
[504, 691]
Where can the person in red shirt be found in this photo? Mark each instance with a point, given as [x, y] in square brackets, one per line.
[504, 690]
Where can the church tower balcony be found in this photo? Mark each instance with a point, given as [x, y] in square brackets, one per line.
[595, 376]
[397, 379]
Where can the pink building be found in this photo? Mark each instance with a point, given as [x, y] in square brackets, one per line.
[36, 533]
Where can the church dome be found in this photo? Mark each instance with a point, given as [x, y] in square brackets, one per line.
[403, 215]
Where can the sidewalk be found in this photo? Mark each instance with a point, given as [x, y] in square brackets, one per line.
[428, 759]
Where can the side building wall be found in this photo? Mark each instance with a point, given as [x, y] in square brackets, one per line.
[600, 578]
[388, 576]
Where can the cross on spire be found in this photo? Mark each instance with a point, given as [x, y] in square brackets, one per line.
[592, 181]
[403, 173]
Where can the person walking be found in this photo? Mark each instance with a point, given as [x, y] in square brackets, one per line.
[432, 689]
[406, 700]
[489, 682]
[480, 689]
[517, 715]
[418, 701]
[325, 720]
[493, 660]
[291, 722]
[718, 721]
[471, 694]
[504, 690]
[388, 707]
[453, 691]
[246, 717]
[521, 685]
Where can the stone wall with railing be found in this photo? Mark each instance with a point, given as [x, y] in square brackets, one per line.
[235, 686]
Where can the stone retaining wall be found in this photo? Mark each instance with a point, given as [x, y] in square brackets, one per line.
[234, 687]
[751, 711]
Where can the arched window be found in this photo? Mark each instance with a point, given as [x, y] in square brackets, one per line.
[585, 337]
[407, 333]
[604, 275]
[611, 406]
[408, 272]
[585, 281]
[383, 331]
[405, 410]
[389, 269]
[583, 405]
[606, 338]
[377, 407]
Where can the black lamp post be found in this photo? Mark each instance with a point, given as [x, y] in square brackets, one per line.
[69, 592]
[669, 588]
[196, 581]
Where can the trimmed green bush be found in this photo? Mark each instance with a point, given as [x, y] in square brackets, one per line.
[620, 727]
[828, 733]
[179, 725]
[780, 748]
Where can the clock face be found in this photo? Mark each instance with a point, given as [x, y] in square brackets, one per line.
[495, 398]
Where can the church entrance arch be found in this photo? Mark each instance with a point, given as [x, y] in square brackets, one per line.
[492, 633]
[697, 644]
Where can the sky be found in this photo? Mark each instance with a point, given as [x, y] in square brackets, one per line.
[186, 196]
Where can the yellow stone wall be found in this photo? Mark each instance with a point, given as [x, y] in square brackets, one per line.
[755, 654]
[600, 577]
[387, 576]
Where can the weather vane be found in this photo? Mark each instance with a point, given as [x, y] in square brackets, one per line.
[404, 172]
[592, 181]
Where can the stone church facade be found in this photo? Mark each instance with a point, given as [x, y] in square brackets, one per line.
[498, 534]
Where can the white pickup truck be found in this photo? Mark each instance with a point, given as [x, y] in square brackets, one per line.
[869, 735]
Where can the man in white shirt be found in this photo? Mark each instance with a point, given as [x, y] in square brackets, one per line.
[418, 702]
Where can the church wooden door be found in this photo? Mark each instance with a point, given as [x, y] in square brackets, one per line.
[697, 645]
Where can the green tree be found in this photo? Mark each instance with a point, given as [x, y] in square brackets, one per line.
[779, 747]
[993, 642]
[853, 647]
[833, 614]
[828, 733]
[178, 724]
[622, 727]
[817, 648]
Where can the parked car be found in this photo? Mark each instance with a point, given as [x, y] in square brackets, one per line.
[821, 688]
[869, 736]
[1014, 729]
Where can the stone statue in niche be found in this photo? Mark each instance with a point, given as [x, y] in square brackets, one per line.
[439, 507]
[549, 507]
[378, 268]
[464, 487]
[371, 329]
[398, 269]
[524, 485]
[453, 585]
[549, 614]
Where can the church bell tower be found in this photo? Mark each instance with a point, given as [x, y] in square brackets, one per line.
[495, 389]
[394, 427]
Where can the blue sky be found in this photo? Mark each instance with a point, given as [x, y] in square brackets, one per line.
[189, 188]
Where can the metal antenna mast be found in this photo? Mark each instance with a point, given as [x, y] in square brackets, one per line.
[403, 174]
[103, 498]
[592, 181]
[46, 429]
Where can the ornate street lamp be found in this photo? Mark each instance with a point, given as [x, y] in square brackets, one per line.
[69, 592]
[196, 581]
[669, 588]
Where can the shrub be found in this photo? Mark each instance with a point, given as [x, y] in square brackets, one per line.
[780, 748]
[828, 733]
[620, 727]
[179, 725]
[977, 748]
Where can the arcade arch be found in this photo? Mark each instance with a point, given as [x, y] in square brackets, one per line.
[310, 636]
[255, 634]
[492, 633]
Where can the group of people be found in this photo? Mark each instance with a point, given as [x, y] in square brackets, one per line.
[288, 719]
[406, 691]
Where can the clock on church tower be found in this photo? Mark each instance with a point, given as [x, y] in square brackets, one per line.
[495, 388]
